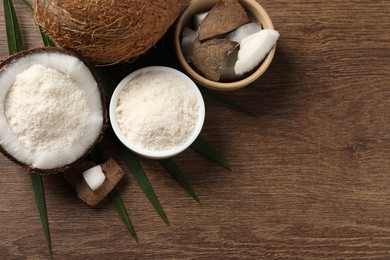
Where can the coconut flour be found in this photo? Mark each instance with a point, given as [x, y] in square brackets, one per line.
[157, 110]
[46, 109]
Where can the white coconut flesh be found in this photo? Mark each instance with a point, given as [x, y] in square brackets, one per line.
[47, 140]
[94, 177]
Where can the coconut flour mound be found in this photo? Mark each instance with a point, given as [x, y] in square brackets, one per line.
[46, 109]
[157, 111]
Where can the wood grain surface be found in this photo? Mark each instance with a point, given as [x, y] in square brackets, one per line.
[311, 174]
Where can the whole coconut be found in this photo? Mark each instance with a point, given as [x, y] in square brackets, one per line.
[107, 31]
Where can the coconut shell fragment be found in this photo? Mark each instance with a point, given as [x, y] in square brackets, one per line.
[225, 16]
[114, 173]
[210, 56]
[106, 32]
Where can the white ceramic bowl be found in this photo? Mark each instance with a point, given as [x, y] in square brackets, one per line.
[138, 149]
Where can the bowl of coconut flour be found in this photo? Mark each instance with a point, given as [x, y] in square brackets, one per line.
[157, 112]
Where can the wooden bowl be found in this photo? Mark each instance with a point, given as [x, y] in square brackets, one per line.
[256, 14]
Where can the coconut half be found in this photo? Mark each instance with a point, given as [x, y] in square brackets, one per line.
[52, 109]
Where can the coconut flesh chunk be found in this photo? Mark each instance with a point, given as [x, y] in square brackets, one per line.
[244, 31]
[18, 126]
[253, 50]
[94, 177]
[187, 43]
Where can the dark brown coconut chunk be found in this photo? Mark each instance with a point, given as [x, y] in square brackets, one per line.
[208, 57]
[225, 16]
[8, 63]
[113, 172]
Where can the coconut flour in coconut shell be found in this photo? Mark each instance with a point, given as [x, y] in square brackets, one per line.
[52, 109]
[39, 115]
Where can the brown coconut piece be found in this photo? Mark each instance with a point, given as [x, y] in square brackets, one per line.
[106, 32]
[209, 56]
[225, 16]
[114, 173]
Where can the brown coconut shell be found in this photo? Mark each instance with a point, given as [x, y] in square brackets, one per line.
[211, 55]
[107, 32]
[224, 17]
[19, 55]
[111, 169]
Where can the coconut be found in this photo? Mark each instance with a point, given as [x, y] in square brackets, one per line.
[212, 55]
[52, 109]
[225, 16]
[110, 169]
[107, 32]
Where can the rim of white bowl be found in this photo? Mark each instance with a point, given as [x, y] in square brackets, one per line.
[138, 149]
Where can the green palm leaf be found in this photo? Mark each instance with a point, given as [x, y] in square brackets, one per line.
[114, 194]
[14, 36]
[204, 148]
[28, 4]
[15, 44]
[97, 156]
[39, 193]
[217, 100]
[130, 158]
[120, 207]
[177, 175]
[46, 40]
[143, 181]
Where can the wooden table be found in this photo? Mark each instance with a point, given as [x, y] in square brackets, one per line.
[311, 175]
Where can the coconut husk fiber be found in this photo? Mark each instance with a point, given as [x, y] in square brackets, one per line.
[106, 32]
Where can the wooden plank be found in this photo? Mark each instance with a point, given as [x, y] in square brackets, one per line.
[310, 177]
